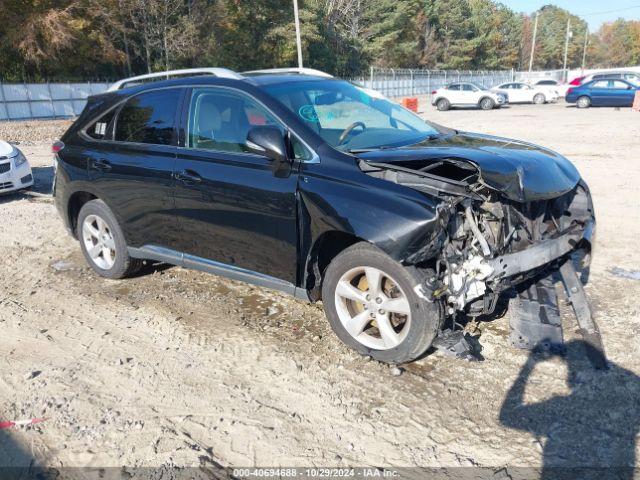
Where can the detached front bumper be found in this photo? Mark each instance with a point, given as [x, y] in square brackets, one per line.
[479, 276]
[539, 255]
[14, 178]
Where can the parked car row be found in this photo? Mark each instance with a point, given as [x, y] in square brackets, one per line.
[612, 89]
[470, 94]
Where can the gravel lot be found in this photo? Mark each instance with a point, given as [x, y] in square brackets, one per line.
[176, 367]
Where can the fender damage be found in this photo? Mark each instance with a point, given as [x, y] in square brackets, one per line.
[508, 213]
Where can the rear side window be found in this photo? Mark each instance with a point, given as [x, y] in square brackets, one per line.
[454, 87]
[148, 118]
[546, 82]
[99, 129]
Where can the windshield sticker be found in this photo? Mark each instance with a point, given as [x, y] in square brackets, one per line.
[308, 113]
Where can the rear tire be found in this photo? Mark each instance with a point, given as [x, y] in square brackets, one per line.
[443, 105]
[103, 243]
[539, 99]
[371, 305]
[487, 104]
[583, 102]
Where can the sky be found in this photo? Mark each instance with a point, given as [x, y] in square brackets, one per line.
[595, 12]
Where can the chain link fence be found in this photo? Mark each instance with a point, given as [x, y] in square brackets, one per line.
[403, 82]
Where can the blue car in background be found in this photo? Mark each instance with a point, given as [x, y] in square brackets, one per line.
[604, 92]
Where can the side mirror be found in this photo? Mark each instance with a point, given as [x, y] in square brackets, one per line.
[268, 141]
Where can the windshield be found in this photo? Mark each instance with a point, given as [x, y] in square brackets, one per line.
[349, 117]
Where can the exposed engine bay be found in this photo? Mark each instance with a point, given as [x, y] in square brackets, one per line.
[488, 243]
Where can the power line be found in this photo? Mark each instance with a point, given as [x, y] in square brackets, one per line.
[608, 11]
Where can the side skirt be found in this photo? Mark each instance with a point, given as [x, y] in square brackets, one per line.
[173, 257]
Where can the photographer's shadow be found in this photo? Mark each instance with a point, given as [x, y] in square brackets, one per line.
[591, 432]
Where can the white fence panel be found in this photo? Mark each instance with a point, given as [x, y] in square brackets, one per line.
[20, 101]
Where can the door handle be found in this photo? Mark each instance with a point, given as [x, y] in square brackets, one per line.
[101, 165]
[188, 176]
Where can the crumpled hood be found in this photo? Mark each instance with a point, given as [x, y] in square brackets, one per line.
[521, 171]
[6, 149]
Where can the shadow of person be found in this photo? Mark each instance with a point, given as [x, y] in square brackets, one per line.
[589, 433]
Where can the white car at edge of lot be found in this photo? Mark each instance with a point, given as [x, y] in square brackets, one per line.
[15, 171]
[520, 92]
[551, 85]
[467, 94]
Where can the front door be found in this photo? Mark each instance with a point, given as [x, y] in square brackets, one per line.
[231, 209]
[470, 94]
[622, 93]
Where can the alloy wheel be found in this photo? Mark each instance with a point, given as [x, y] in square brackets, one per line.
[486, 104]
[99, 242]
[584, 102]
[372, 308]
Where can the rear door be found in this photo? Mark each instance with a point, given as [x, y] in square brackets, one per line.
[230, 207]
[132, 169]
[454, 94]
[599, 91]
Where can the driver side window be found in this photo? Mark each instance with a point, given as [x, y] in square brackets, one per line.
[220, 120]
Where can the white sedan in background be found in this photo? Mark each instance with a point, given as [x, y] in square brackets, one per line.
[520, 92]
[552, 86]
[466, 94]
[15, 171]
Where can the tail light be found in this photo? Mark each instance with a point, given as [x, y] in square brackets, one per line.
[434, 92]
[57, 146]
[569, 91]
[576, 81]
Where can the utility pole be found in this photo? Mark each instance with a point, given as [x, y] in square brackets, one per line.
[298, 40]
[584, 52]
[533, 40]
[566, 48]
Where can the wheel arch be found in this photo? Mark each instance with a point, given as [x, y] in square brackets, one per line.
[406, 226]
[486, 97]
[584, 95]
[326, 247]
[75, 203]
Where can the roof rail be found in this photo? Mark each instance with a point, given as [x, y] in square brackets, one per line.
[216, 72]
[298, 70]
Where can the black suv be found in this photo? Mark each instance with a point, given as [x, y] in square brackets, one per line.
[322, 189]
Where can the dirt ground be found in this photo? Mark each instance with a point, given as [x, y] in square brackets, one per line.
[180, 368]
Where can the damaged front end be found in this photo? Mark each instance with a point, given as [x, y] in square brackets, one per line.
[493, 240]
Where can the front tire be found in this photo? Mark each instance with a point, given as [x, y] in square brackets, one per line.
[487, 104]
[539, 99]
[103, 243]
[372, 307]
[583, 102]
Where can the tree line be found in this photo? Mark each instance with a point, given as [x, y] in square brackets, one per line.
[108, 39]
